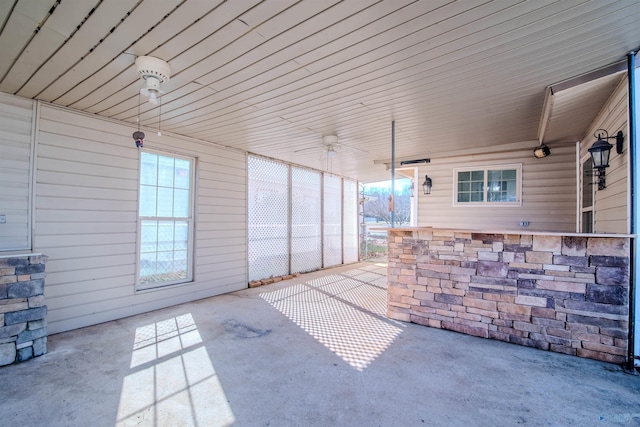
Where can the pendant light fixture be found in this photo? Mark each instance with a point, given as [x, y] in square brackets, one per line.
[154, 71]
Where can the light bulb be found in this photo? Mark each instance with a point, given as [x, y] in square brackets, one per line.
[153, 99]
[159, 133]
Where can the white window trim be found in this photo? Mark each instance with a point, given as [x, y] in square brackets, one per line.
[485, 203]
[591, 208]
[189, 219]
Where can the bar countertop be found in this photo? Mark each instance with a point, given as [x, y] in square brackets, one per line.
[492, 231]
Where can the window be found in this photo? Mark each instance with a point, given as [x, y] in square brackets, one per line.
[587, 195]
[488, 186]
[165, 220]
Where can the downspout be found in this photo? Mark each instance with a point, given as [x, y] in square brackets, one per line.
[392, 207]
[633, 178]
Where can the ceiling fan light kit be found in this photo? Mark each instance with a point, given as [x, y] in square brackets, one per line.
[330, 144]
[331, 152]
[154, 71]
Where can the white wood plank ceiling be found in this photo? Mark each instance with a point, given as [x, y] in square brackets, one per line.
[272, 77]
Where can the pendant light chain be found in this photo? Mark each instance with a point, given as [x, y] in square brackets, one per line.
[159, 115]
[138, 117]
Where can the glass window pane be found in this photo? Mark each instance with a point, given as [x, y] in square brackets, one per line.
[165, 235]
[149, 236]
[464, 176]
[587, 184]
[463, 197]
[477, 175]
[165, 171]
[465, 186]
[182, 174]
[147, 200]
[181, 203]
[164, 264]
[180, 262]
[587, 221]
[165, 202]
[148, 265]
[494, 196]
[510, 174]
[181, 239]
[476, 197]
[502, 187]
[477, 186]
[149, 169]
[494, 176]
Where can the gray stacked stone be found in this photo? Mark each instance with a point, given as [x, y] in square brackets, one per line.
[23, 324]
[567, 294]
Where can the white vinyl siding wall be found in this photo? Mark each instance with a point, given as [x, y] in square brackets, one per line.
[86, 213]
[610, 207]
[16, 124]
[548, 193]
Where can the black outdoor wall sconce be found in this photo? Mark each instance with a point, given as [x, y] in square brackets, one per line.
[541, 151]
[427, 184]
[600, 152]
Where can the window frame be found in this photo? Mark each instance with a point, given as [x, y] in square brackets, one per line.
[587, 179]
[190, 219]
[485, 169]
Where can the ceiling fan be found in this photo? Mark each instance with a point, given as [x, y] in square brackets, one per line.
[330, 147]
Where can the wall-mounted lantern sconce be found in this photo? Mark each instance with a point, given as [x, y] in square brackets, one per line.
[541, 151]
[600, 151]
[427, 184]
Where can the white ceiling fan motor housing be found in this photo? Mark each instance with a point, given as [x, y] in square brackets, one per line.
[330, 140]
[154, 71]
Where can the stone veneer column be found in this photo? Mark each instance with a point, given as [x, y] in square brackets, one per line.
[23, 325]
[568, 294]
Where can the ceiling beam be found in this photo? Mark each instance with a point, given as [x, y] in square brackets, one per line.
[503, 148]
[616, 67]
[547, 108]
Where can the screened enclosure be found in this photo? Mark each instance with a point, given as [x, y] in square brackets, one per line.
[299, 219]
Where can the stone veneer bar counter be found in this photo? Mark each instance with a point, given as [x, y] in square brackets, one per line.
[23, 323]
[567, 293]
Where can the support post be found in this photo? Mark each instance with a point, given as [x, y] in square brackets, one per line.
[393, 172]
[634, 337]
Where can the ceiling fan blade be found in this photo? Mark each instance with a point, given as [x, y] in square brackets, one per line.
[306, 149]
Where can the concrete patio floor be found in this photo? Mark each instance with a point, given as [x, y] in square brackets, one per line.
[316, 350]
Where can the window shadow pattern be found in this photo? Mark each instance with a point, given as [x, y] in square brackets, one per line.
[346, 312]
